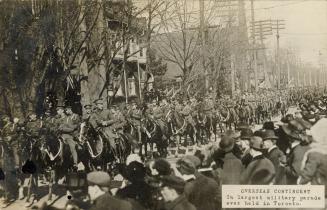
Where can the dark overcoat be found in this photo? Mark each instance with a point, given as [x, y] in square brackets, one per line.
[203, 193]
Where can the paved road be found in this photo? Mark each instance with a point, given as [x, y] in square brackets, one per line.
[60, 202]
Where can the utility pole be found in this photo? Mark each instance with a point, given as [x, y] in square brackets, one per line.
[203, 42]
[203, 29]
[298, 74]
[254, 52]
[126, 46]
[262, 28]
[278, 26]
[241, 54]
[320, 70]
[233, 73]
[288, 69]
[303, 74]
[310, 78]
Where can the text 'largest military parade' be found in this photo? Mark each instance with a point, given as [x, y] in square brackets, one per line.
[161, 104]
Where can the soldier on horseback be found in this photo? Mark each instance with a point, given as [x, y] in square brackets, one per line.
[104, 122]
[88, 112]
[69, 131]
[120, 122]
[135, 116]
[187, 113]
[158, 116]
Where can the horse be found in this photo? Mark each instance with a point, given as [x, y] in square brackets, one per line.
[180, 127]
[57, 160]
[243, 114]
[230, 117]
[33, 159]
[211, 125]
[260, 114]
[154, 133]
[219, 120]
[284, 109]
[251, 112]
[101, 149]
[200, 122]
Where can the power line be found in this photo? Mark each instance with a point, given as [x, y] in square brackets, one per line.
[280, 5]
[305, 34]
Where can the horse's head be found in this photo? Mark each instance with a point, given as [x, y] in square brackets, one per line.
[149, 123]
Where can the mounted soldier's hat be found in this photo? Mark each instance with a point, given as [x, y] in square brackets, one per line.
[98, 101]
[87, 106]
[58, 107]
[68, 106]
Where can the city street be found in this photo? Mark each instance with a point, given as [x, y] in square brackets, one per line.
[60, 201]
[151, 96]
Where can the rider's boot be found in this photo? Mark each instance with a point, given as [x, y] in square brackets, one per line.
[31, 201]
[21, 193]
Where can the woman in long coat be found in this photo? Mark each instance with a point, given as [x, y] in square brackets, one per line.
[314, 164]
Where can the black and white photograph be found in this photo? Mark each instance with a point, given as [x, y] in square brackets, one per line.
[163, 104]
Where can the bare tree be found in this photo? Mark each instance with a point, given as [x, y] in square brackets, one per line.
[177, 43]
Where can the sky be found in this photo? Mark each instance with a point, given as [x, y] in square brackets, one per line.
[305, 24]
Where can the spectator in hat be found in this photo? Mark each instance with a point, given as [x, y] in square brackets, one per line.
[162, 166]
[231, 165]
[274, 154]
[314, 164]
[100, 196]
[244, 144]
[297, 148]
[268, 126]
[242, 126]
[203, 192]
[137, 189]
[260, 170]
[287, 118]
[172, 191]
[245, 137]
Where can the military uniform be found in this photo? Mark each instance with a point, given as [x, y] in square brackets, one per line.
[158, 115]
[104, 120]
[187, 113]
[208, 108]
[179, 108]
[134, 116]
[165, 111]
[69, 129]
[33, 129]
[120, 121]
